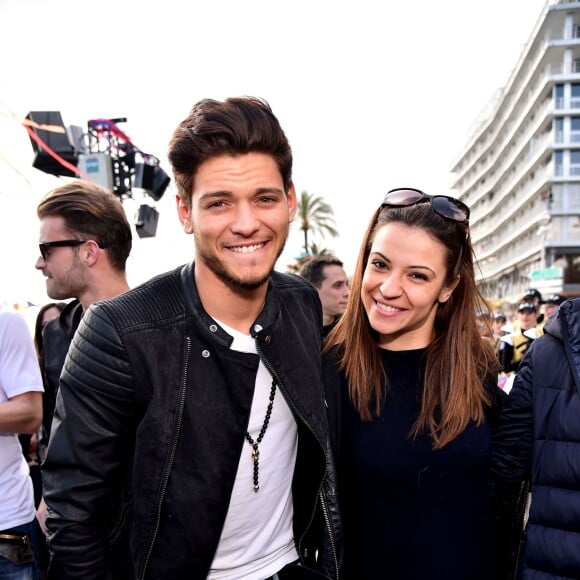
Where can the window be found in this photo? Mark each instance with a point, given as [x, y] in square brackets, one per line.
[575, 98]
[559, 96]
[575, 129]
[574, 162]
[559, 130]
[558, 164]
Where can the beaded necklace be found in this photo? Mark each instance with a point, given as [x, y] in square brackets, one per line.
[256, 443]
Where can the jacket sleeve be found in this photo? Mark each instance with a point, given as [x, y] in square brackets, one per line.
[89, 443]
[511, 466]
[513, 433]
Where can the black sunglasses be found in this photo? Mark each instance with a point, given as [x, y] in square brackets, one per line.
[45, 247]
[447, 207]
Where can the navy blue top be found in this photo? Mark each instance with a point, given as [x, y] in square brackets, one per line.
[412, 513]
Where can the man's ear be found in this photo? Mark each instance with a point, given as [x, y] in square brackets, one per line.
[184, 214]
[90, 254]
[292, 202]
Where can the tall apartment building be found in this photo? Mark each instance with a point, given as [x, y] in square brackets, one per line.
[520, 171]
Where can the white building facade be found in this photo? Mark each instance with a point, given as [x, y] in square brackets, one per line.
[520, 171]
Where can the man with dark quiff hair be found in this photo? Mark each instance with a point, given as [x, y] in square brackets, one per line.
[201, 390]
[236, 126]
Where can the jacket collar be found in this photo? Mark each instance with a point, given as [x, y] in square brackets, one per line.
[265, 320]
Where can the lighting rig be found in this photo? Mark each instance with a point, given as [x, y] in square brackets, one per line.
[103, 154]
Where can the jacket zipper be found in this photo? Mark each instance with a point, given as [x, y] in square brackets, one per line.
[330, 530]
[322, 500]
[170, 459]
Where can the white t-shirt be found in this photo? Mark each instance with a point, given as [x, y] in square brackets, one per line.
[257, 539]
[19, 373]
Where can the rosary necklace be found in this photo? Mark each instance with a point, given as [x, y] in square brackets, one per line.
[256, 443]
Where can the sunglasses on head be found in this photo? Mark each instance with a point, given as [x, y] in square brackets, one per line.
[448, 208]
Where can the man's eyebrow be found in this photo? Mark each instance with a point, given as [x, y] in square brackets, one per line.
[208, 195]
[262, 190]
[224, 193]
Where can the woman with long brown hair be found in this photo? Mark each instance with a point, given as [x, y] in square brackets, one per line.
[411, 388]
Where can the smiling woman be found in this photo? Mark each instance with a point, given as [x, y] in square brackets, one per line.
[412, 395]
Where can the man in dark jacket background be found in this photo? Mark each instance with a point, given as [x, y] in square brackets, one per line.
[538, 438]
[191, 408]
[85, 240]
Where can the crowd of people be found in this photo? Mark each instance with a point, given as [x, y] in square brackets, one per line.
[227, 421]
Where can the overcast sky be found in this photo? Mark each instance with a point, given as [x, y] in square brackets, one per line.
[372, 95]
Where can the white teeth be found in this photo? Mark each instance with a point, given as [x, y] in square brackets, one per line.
[247, 249]
[387, 308]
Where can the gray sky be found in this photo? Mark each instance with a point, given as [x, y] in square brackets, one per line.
[372, 95]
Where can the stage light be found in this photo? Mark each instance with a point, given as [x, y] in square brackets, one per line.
[152, 179]
[146, 221]
[52, 147]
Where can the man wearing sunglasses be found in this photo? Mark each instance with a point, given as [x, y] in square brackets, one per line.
[85, 240]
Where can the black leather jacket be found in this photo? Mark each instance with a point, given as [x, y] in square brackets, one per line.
[150, 423]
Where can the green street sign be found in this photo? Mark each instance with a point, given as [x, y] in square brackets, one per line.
[546, 273]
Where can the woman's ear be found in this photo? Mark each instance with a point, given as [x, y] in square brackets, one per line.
[447, 291]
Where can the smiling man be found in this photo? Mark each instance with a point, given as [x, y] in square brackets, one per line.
[197, 398]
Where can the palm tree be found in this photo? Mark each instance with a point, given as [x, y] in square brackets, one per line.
[315, 216]
[316, 250]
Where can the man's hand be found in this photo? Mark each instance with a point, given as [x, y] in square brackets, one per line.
[41, 516]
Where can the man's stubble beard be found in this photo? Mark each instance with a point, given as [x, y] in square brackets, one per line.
[234, 283]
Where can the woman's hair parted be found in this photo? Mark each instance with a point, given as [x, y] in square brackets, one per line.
[457, 361]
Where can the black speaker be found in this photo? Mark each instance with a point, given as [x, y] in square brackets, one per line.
[58, 142]
[146, 221]
[152, 179]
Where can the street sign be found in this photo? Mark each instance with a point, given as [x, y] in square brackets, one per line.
[546, 273]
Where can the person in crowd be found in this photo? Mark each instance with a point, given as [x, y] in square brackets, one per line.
[412, 395]
[30, 442]
[536, 438]
[534, 296]
[551, 305]
[45, 314]
[499, 321]
[20, 412]
[85, 240]
[513, 346]
[484, 320]
[33, 446]
[327, 275]
[193, 405]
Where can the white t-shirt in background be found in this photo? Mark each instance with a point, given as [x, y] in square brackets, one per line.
[19, 373]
